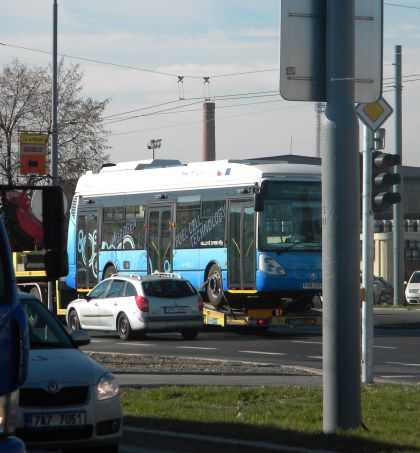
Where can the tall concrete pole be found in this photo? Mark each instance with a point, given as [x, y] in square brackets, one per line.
[398, 208]
[340, 223]
[54, 147]
[367, 271]
[209, 132]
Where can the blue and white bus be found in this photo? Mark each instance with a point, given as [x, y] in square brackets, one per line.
[243, 230]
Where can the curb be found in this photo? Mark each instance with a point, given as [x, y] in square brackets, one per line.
[187, 442]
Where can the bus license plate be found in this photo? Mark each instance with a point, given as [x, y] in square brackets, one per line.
[61, 419]
[169, 310]
[312, 285]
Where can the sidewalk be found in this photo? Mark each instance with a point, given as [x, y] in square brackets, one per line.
[158, 380]
[181, 443]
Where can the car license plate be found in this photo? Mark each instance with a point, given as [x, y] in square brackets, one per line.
[413, 290]
[60, 419]
[312, 285]
[169, 310]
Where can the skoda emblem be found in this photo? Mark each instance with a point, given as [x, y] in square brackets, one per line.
[52, 387]
[314, 276]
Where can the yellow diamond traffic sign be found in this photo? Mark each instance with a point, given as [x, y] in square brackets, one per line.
[374, 114]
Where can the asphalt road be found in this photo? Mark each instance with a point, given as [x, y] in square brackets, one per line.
[396, 340]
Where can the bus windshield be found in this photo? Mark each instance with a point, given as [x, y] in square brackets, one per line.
[291, 218]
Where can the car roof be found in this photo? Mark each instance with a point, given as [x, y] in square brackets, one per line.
[154, 276]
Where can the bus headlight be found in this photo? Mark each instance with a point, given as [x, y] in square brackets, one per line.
[107, 387]
[270, 266]
[8, 412]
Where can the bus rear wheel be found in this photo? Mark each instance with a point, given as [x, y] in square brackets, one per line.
[110, 270]
[214, 286]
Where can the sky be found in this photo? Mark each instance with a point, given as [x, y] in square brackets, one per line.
[134, 52]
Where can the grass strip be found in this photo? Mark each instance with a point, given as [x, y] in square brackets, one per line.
[288, 415]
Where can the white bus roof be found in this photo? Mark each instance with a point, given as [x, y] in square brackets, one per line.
[169, 175]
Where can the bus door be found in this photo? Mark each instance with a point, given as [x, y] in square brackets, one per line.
[241, 244]
[159, 238]
[87, 247]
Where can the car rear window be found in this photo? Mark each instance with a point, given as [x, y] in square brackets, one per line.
[415, 278]
[168, 288]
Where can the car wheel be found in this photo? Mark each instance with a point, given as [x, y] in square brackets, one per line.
[214, 286]
[110, 270]
[124, 329]
[74, 323]
[189, 334]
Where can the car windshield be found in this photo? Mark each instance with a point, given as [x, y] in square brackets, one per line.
[415, 278]
[168, 288]
[45, 331]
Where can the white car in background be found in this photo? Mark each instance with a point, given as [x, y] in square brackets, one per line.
[412, 290]
[133, 305]
[68, 402]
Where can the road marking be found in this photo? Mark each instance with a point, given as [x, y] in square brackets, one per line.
[193, 347]
[136, 344]
[93, 340]
[306, 342]
[386, 347]
[399, 376]
[261, 352]
[402, 363]
[318, 357]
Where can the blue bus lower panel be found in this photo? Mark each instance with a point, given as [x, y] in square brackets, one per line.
[302, 269]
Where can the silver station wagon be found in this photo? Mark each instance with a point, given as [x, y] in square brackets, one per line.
[133, 305]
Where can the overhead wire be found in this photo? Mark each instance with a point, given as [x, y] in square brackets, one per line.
[200, 122]
[401, 5]
[136, 68]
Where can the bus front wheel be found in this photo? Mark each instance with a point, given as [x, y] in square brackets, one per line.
[214, 286]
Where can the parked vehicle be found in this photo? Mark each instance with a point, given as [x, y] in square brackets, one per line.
[412, 290]
[132, 305]
[14, 332]
[68, 401]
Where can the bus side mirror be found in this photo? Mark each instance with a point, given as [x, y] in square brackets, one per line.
[258, 201]
[56, 262]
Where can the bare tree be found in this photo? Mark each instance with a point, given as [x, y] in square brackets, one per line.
[25, 105]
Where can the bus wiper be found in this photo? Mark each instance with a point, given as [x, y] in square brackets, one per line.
[285, 249]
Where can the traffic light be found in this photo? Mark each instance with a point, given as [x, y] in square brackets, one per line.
[383, 178]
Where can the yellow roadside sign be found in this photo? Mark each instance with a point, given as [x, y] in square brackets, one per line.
[33, 153]
[33, 139]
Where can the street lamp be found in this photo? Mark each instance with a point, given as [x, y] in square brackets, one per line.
[154, 143]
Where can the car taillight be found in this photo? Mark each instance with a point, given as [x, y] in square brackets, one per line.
[200, 302]
[142, 303]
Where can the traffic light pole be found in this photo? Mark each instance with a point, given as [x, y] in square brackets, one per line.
[340, 227]
[367, 260]
[398, 213]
